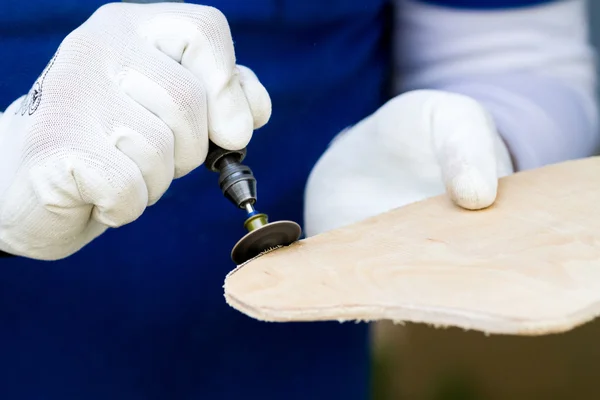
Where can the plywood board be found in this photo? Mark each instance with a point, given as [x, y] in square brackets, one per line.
[528, 265]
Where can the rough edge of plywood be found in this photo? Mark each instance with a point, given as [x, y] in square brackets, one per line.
[439, 318]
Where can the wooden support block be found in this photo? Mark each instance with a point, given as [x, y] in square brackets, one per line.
[528, 265]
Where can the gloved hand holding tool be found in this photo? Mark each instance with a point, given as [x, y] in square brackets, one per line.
[130, 101]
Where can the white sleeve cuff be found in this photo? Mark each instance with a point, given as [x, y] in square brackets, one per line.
[542, 120]
[532, 68]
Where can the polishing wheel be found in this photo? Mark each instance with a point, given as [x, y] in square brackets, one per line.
[238, 184]
[263, 236]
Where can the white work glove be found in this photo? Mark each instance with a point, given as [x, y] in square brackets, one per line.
[127, 104]
[417, 145]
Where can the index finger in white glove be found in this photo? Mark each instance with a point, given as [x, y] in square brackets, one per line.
[465, 143]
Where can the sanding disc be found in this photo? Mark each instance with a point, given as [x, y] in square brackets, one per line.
[273, 234]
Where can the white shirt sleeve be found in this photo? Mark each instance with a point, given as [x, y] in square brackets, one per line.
[531, 67]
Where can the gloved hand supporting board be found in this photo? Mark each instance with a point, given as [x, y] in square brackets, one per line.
[527, 265]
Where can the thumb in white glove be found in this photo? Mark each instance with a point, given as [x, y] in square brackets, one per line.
[417, 145]
[128, 103]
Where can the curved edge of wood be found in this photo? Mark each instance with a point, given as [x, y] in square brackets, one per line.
[439, 318]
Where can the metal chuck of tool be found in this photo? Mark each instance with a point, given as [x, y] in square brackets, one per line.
[238, 185]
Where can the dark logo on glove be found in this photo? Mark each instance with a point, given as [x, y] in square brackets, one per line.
[32, 101]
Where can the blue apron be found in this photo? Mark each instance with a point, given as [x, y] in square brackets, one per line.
[140, 313]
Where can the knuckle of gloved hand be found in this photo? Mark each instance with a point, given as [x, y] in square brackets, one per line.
[98, 176]
[150, 147]
[102, 177]
[124, 201]
[115, 12]
[110, 9]
[88, 44]
[207, 23]
[211, 21]
[107, 10]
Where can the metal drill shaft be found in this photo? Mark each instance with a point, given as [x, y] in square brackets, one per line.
[249, 208]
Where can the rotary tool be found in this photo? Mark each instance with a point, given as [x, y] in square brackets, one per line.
[238, 184]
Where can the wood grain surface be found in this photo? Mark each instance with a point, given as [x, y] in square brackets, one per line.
[528, 265]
